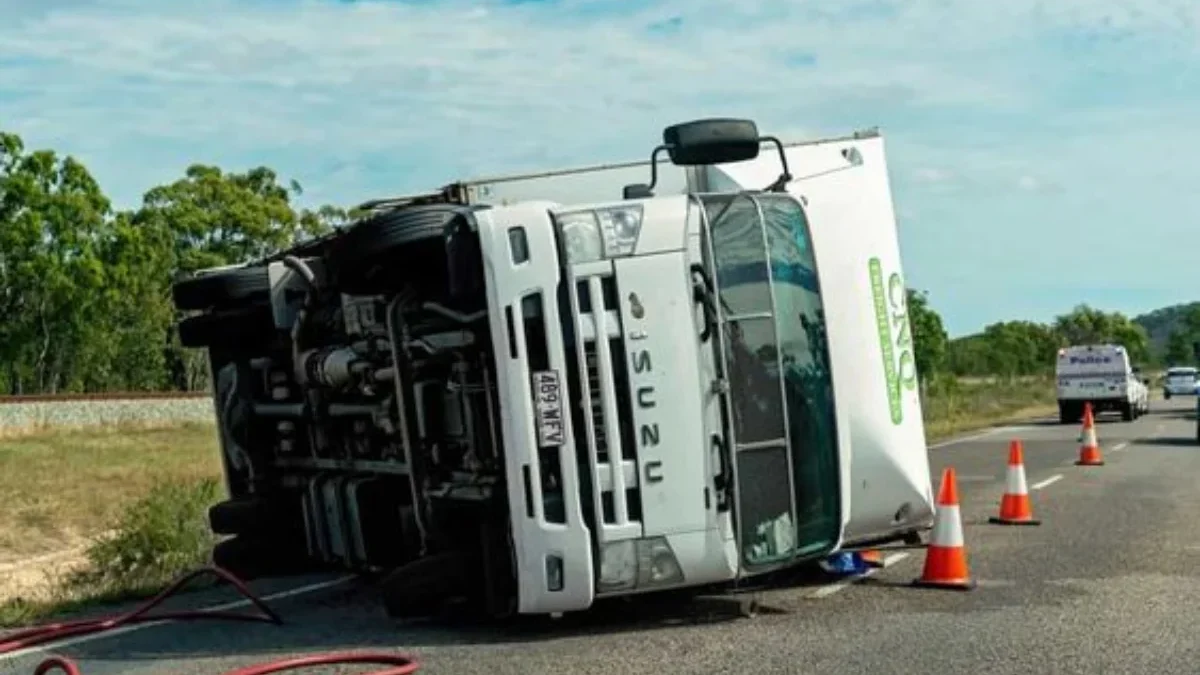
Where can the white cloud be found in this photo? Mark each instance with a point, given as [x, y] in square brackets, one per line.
[466, 88]
[977, 100]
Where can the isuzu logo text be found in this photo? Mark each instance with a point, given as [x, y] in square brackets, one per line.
[645, 396]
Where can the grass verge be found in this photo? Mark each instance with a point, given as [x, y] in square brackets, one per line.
[61, 488]
[155, 539]
[953, 407]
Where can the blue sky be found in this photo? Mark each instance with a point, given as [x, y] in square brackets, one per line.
[1042, 153]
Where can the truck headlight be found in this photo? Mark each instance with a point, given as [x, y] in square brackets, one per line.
[600, 233]
[657, 564]
[620, 227]
[639, 563]
[581, 236]
[618, 566]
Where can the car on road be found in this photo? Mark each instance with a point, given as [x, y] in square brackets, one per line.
[1102, 375]
[1181, 381]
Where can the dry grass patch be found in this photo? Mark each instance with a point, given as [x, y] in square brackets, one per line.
[60, 488]
[953, 407]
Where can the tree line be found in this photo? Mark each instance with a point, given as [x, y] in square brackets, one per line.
[85, 288]
[1018, 348]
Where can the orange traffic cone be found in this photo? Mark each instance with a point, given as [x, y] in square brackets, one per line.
[946, 557]
[872, 558]
[1015, 507]
[1089, 452]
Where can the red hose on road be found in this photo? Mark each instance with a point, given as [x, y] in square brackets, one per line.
[59, 631]
[400, 665]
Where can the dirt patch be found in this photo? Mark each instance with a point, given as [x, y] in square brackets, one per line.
[35, 578]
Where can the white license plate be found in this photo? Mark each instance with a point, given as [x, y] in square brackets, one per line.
[548, 408]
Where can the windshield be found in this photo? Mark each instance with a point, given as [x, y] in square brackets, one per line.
[781, 389]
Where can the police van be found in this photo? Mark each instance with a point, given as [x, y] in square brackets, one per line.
[1102, 375]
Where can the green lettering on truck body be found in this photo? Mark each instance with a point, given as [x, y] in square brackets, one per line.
[883, 324]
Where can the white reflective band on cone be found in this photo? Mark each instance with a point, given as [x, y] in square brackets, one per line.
[1016, 481]
[947, 531]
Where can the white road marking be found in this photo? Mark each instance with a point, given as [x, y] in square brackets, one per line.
[826, 591]
[1120, 446]
[1047, 483]
[43, 648]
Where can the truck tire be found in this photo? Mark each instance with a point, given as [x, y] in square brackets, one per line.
[1064, 413]
[250, 557]
[1127, 412]
[367, 252]
[225, 289]
[422, 587]
[243, 329]
[242, 516]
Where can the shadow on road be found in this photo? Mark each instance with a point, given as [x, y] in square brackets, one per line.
[1170, 441]
[353, 618]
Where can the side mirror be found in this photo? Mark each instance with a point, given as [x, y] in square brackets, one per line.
[711, 141]
[637, 191]
[718, 140]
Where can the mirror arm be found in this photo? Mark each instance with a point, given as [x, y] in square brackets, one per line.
[780, 184]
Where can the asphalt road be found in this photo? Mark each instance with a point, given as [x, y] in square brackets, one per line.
[1108, 583]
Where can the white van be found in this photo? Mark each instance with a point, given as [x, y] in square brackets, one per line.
[1103, 376]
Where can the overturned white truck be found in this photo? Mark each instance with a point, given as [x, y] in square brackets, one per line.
[537, 391]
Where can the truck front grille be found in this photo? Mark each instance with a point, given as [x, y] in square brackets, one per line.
[601, 371]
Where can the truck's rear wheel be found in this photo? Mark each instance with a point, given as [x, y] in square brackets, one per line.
[1066, 413]
[1127, 412]
[251, 557]
[248, 516]
[245, 328]
[379, 252]
[222, 289]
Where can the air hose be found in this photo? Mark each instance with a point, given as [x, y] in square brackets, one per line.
[399, 664]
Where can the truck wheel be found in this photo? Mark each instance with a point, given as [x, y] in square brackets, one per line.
[222, 289]
[367, 253]
[253, 557]
[245, 516]
[1064, 413]
[422, 587]
[1127, 413]
[242, 329]
[1167, 395]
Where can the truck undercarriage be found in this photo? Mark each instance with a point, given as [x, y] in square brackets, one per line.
[346, 382]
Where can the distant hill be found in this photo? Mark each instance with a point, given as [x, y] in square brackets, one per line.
[1160, 322]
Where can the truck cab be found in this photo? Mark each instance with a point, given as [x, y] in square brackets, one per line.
[539, 404]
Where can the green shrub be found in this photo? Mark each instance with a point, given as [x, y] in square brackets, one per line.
[156, 539]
